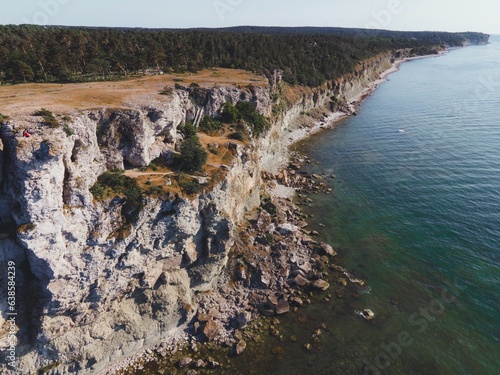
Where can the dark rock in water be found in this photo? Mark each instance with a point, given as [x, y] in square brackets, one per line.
[273, 300]
[278, 350]
[325, 248]
[321, 285]
[243, 319]
[368, 314]
[200, 363]
[211, 329]
[296, 301]
[325, 259]
[266, 309]
[185, 361]
[240, 346]
[283, 307]
[212, 363]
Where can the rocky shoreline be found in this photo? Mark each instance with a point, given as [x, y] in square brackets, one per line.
[191, 270]
[276, 267]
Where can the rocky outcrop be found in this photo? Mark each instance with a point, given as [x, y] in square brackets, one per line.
[475, 38]
[96, 297]
[274, 148]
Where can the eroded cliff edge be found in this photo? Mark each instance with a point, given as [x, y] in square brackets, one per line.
[87, 298]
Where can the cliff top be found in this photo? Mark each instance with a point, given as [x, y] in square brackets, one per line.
[27, 98]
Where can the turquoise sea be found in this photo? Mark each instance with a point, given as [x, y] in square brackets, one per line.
[416, 214]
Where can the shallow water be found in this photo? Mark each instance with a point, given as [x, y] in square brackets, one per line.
[416, 213]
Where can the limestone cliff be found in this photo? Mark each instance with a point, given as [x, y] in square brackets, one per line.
[88, 298]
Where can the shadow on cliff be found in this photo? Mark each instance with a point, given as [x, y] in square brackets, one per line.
[31, 298]
[32, 294]
[35, 298]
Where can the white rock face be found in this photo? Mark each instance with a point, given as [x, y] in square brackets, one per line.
[104, 299]
[93, 297]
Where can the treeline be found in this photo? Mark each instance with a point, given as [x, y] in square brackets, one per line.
[31, 53]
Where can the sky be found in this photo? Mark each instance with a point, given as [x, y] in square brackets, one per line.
[414, 15]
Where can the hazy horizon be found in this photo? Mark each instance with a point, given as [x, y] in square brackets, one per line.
[397, 15]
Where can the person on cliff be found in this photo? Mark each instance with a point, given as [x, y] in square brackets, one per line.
[26, 133]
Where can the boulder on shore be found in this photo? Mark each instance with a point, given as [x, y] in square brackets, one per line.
[211, 329]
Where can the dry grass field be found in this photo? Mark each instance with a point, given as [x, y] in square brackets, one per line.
[65, 98]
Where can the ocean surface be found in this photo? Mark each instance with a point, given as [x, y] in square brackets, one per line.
[415, 213]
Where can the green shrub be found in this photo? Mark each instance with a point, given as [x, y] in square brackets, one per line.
[237, 135]
[48, 118]
[113, 183]
[257, 122]
[210, 125]
[68, 130]
[241, 133]
[213, 150]
[193, 155]
[188, 185]
[229, 113]
[154, 190]
[98, 191]
[188, 130]
[270, 237]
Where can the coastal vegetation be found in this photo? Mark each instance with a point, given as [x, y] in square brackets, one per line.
[193, 155]
[115, 183]
[307, 56]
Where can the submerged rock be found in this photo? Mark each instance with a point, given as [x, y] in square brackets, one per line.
[243, 319]
[283, 307]
[367, 314]
[240, 346]
[184, 361]
[321, 285]
[326, 249]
